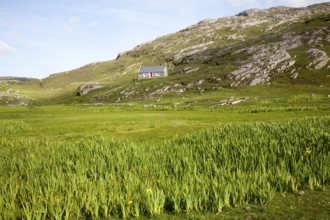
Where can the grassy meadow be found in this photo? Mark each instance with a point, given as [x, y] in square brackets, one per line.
[127, 161]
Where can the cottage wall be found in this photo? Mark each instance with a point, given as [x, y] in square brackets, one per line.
[157, 74]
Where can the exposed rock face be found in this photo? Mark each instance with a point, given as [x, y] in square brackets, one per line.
[120, 55]
[167, 90]
[318, 59]
[195, 84]
[188, 69]
[230, 101]
[294, 75]
[265, 61]
[87, 87]
[14, 99]
[191, 50]
[268, 60]
[252, 12]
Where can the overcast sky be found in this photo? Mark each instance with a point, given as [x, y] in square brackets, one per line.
[41, 37]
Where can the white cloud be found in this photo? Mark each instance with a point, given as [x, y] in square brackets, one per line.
[270, 3]
[290, 3]
[5, 48]
[244, 3]
[136, 16]
[93, 24]
[294, 3]
[74, 22]
[71, 24]
[126, 15]
[2, 23]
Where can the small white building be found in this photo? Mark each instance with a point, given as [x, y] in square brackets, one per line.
[148, 72]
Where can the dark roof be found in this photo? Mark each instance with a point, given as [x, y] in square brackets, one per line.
[152, 69]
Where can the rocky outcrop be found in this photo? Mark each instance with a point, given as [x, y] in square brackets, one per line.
[252, 12]
[167, 90]
[87, 87]
[230, 101]
[14, 99]
[318, 59]
[265, 61]
[120, 55]
[191, 50]
[189, 69]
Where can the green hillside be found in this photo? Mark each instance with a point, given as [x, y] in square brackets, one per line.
[255, 54]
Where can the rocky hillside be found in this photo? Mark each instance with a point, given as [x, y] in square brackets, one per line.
[10, 93]
[277, 46]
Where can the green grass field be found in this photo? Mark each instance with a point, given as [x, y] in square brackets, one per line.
[265, 161]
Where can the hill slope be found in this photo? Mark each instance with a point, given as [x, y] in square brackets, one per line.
[257, 53]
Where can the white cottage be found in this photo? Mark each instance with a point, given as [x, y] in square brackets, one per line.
[148, 72]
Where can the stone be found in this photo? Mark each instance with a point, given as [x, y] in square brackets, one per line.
[87, 87]
[199, 82]
[256, 81]
[251, 12]
[301, 193]
[191, 50]
[187, 70]
[318, 59]
[294, 75]
[150, 106]
[247, 209]
[120, 55]
[236, 102]
[265, 61]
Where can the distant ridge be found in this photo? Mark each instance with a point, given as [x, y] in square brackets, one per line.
[20, 79]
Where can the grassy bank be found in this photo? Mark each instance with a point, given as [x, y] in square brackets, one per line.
[137, 123]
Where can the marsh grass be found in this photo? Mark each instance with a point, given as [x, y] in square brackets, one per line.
[226, 166]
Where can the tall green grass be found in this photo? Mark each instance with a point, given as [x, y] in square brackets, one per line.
[100, 177]
[12, 127]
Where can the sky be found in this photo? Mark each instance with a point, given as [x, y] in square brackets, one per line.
[42, 37]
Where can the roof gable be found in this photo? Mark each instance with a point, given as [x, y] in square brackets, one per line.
[152, 69]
